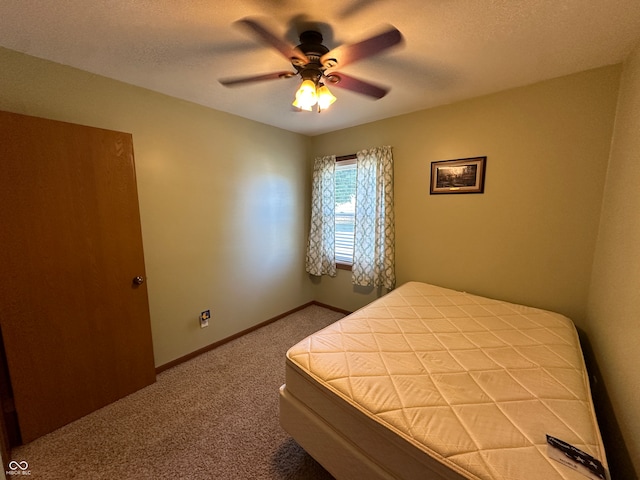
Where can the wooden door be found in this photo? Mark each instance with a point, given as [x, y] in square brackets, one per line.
[75, 325]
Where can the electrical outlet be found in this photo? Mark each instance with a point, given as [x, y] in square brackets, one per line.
[204, 318]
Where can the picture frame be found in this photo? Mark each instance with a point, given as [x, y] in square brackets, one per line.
[464, 175]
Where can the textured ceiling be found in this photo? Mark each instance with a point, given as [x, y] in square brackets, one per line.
[452, 49]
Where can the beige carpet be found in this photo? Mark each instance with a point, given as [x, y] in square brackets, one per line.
[214, 417]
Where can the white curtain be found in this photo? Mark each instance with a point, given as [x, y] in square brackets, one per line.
[374, 244]
[321, 247]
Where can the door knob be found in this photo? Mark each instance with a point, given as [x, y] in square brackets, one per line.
[138, 280]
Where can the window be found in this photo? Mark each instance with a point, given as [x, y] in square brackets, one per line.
[359, 239]
[345, 209]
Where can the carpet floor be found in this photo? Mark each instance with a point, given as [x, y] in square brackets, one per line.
[213, 417]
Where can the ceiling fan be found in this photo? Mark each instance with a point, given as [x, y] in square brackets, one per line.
[314, 63]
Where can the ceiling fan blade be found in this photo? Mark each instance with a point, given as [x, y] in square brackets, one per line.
[346, 54]
[291, 53]
[233, 82]
[355, 85]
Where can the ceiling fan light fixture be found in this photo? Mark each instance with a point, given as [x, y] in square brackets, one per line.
[325, 98]
[299, 105]
[306, 96]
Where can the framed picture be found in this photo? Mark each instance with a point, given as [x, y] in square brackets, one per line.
[465, 175]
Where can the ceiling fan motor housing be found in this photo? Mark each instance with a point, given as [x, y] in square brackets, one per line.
[311, 45]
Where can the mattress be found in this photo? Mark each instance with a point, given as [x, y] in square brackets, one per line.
[428, 382]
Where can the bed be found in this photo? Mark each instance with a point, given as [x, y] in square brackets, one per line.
[431, 383]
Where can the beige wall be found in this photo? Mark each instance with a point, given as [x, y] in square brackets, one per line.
[221, 199]
[531, 236]
[614, 306]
